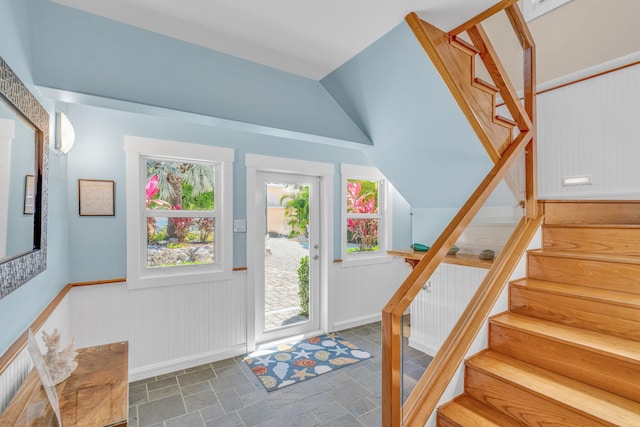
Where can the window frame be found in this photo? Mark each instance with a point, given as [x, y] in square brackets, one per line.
[384, 215]
[138, 150]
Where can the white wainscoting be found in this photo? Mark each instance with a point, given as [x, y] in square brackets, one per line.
[456, 385]
[359, 292]
[13, 377]
[434, 313]
[591, 128]
[168, 328]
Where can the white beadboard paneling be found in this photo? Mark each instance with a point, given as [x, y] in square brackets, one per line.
[361, 291]
[167, 327]
[12, 378]
[456, 385]
[434, 313]
[591, 128]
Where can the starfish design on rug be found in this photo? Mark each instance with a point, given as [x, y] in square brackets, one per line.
[264, 361]
[339, 350]
[284, 365]
[302, 374]
[302, 353]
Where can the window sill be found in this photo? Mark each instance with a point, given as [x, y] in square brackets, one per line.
[177, 279]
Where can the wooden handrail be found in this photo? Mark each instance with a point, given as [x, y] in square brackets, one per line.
[400, 301]
[482, 17]
[529, 57]
[499, 76]
[431, 386]
[402, 298]
[436, 45]
[428, 391]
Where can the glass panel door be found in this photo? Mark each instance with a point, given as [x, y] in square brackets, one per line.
[287, 291]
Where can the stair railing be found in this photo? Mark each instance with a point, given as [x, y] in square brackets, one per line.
[429, 389]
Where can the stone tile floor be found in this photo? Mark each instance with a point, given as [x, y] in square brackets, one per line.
[227, 393]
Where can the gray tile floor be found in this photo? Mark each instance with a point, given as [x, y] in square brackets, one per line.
[227, 393]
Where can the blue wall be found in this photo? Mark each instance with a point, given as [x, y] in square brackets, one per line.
[97, 249]
[421, 140]
[158, 87]
[21, 307]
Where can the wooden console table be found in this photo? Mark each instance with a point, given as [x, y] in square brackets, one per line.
[412, 257]
[96, 393]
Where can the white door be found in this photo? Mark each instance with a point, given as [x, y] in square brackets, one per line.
[287, 267]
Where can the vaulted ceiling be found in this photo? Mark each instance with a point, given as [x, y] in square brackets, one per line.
[307, 38]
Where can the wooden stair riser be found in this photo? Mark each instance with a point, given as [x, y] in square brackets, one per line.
[593, 212]
[466, 411]
[595, 368]
[484, 100]
[622, 241]
[594, 315]
[445, 422]
[525, 406]
[614, 276]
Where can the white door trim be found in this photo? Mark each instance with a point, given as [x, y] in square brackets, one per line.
[325, 171]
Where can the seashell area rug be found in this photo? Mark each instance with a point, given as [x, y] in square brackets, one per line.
[285, 364]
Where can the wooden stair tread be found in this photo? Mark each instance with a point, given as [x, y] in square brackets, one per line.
[570, 393]
[505, 121]
[485, 85]
[628, 259]
[464, 410]
[463, 45]
[584, 292]
[612, 346]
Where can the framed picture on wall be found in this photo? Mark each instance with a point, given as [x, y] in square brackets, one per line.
[96, 197]
[29, 195]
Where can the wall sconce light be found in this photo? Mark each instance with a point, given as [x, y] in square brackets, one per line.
[65, 135]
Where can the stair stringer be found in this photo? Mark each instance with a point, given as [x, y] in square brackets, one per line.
[454, 60]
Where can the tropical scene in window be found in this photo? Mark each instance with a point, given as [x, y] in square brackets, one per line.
[180, 213]
[363, 217]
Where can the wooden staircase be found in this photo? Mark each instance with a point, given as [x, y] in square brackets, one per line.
[567, 353]
[475, 96]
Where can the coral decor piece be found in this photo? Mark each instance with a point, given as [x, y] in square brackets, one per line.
[61, 364]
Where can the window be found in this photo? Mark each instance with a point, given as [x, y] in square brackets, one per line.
[366, 226]
[534, 8]
[178, 212]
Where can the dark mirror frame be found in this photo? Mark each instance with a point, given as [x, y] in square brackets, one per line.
[17, 271]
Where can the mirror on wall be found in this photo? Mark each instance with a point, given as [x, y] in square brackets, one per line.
[17, 185]
[24, 147]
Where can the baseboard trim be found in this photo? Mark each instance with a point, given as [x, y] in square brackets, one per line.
[607, 67]
[358, 321]
[168, 366]
[429, 351]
